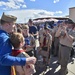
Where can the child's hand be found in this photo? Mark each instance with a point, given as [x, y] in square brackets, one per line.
[28, 46]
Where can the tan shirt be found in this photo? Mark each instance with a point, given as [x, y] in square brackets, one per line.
[65, 41]
[23, 70]
[32, 43]
[72, 33]
[53, 32]
[48, 40]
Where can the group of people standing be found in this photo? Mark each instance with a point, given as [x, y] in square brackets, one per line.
[20, 45]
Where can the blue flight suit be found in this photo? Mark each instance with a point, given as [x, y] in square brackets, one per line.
[6, 60]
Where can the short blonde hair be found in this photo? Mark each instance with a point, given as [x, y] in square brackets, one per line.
[25, 27]
[16, 39]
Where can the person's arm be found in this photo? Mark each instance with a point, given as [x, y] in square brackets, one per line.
[58, 32]
[8, 60]
[71, 38]
[33, 44]
[30, 60]
[35, 33]
[49, 42]
[5, 55]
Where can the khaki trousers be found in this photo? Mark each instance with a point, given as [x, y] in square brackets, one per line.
[64, 55]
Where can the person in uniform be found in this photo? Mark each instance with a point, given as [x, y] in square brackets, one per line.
[65, 40]
[29, 40]
[55, 40]
[45, 45]
[6, 59]
[17, 40]
[71, 31]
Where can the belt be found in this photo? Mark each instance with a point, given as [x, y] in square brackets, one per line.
[63, 45]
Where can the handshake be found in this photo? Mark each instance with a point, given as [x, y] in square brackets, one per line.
[30, 60]
[29, 68]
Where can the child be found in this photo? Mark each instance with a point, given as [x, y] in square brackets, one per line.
[29, 40]
[45, 45]
[17, 40]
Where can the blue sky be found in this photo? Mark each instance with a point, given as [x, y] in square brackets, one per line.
[25, 9]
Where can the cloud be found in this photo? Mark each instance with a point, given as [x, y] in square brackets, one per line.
[32, 0]
[60, 12]
[55, 1]
[24, 15]
[12, 4]
[24, 6]
[42, 13]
